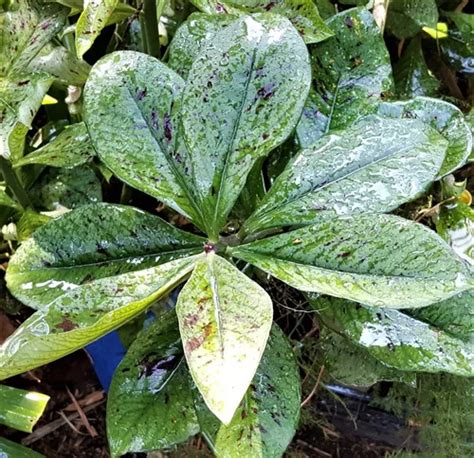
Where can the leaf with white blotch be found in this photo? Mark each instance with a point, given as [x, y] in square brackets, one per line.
[6, 200]
[352, 365]
[443, 116]
[92, 20]
[303, 14]
[376, 259]
[224, 319]
[62, 64]
[267, 418]
[25, 31]
[191, 38]
[372, 166]
[9, 449]
[150, 403]
[396, 339]
[70, 188]
[21, 409]
[84, 313]
[412, 76]
[229, 106]
[405, 18]
[142, 148]
[72, 147]
[352, 70]
[90, 243]
[454, 315]
[20, 100]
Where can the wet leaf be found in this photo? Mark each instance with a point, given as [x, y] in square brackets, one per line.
[84, 313]
[72, 147]
[70, 188]
[352, 365]
[19, 101]
[303, 14]
[224, 319]
[352, 71]
[378, 260]
[92, 20]
[192, 37]
[9, 449]
[144, 94]
[25, 31]
[405, 18]
[412, 76]
[90, 243]
[233, 96]
[150, 404]
[455, 223]
[266, 419]
[20, 409]
[372, 166]
[396, 339]
[62, 64]
[447, 119]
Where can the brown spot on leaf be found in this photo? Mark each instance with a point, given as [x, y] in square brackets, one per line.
[194, 343]
[66, 325]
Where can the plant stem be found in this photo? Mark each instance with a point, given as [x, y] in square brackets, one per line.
[149, 22]
[14, 184]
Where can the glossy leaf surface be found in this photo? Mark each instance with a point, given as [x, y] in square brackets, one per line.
[406, 18]
[72, 147]
[373, 166]
[233, 97]
[352, 70]
[411, 74]
[447, 119]
[379, 260]
[396, 339]
[20, 409]
[303, 14]
[454, 315]
[224, 319]
[267, 418]
[92, 20]
[84, 313]
[141, 150]
[150, 404]
[9, 449]
[91, 243]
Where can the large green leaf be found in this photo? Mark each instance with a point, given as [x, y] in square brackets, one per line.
[303, 14]
[20, 99]
[9, 449]
[396, 339]
[241, 101]
[353, 365]
[454, 315]
[192, 37]
[150, 404]
[412, 76]
[92, 20]
[447, 119]
[351, 71]
[25, 31]
[376, 259]
[84, 313]
[70, 188]
[267, 418]
[224, 319]
[21, 409]
[142, 148]
[72, 147]
[91, 243]
[372, 166]
[405, 18]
